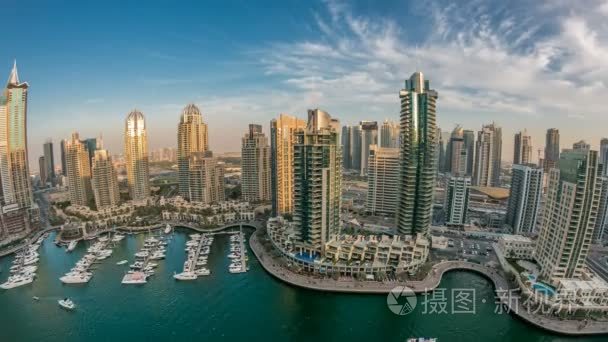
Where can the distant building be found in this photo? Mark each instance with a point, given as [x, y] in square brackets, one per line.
[49, 160]
[457, 200]
[469, 145]
[104, 180]
[599, 230]
[369, 137]
[522, 150]
[389, 134]
[355, 147]
[64, 165]
[581, 146]
[255, 165]
[191, 138]
[569, 216]
[456, 156]
[317, 181]
[604, 155]
[488, 156]
[78, 171]
[282, 141]
[136, 156]
[417, 162]
[206, 178]
[524, 198]
[383, 180]
[552, 149]
[42, 172]
[346, 147]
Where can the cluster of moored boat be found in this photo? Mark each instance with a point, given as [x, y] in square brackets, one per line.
[198, 248]
[238, 254]
[23, 270]
[100, 250]
[143, 267]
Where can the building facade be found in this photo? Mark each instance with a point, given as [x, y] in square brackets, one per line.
[49, 160]
[488, 156]
[469, 145]
[599, 231]
[255, 165]
[604, 155]
[456, 203]
[552, 149]
[524, 198]
[206, 178]
[418, 155]
[389, 134]
[104, 180]
[569, 216]
[42, 170]
[78, 169]
[522, 149]
[317, 180]
[369, 137]
[282, 141]
[383, 180]
[191, 138]
[136, 156]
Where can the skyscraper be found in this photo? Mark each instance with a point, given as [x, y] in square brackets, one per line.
[599, 230]
[369, 136]
[206, 178]
[42, 166]
[78, 171]
[569, 216]
[581, 145]
[104, 180]
[346, 147]
[524, 198]
[317, 181]
[469, 145]
[488, 156]
[604, 155]
[49, 160]
[551, 149]
[255, 165]
[91, 145]
[456, 203]
[136, 155]
[282, 141]
[383, 180]
[418, 155]
[389, 134]
[522, 150]
[13, 142]
[64, 165]
[191, 138]
[456, 154]
[355, 147]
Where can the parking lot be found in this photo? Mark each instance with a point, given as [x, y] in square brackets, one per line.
[466, 248]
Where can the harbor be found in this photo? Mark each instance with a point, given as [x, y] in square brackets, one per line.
[24, 267]
[197, 249]
[238, 253]
[146, 260]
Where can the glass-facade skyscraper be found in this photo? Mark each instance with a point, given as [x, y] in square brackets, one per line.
[418, 155]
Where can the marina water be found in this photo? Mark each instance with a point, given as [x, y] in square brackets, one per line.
[251, 306]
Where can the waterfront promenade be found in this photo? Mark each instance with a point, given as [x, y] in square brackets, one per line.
[26, 241]
[274, 264]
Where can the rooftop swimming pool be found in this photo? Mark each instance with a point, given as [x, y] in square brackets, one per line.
[541, 287]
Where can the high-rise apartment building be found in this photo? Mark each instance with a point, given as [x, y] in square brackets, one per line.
[104, 180]
[389, 134]
[604, 155]
[569, 216]
[206, 178]
[581, 146]
[369, 137]
[64, 165]
[488, 156]
[456, 154]
[282, 141]
[456, 202]
[78, 169]
[345, 147]
[255, 165]
[355, 147]
[42, 172]
[49, 160]
[524, 198]
[418, 155]
[136, 156]
[552, 149]
[191, 138]
[522, 149]
[383, 180]
[317, 180]
[599, 231]
[469, 145]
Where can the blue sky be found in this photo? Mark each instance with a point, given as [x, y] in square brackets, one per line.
[523, 64]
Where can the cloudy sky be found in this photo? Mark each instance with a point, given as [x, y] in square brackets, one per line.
[522, 64]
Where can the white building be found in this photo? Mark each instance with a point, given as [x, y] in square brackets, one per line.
[382, 180]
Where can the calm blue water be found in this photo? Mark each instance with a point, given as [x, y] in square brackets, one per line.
[227, 307]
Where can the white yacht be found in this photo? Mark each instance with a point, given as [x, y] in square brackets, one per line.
[235, 269]
[142, 254]
[72, 245]
[202, 272]
[185, 276]
[168, 229]
[16, 281]
[122, 262]
[118, 237]
[135, 278]
[67, 304]
[76, 278]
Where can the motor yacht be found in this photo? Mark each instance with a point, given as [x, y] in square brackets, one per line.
[67, 304]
